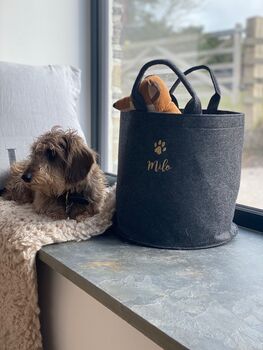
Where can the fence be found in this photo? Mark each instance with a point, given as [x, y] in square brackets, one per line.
[236, 58]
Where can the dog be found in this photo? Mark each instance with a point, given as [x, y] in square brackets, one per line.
[61, 177]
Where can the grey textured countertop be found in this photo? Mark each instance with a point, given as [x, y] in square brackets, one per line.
[201, 299]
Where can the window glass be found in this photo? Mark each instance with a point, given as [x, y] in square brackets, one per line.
[226, 35]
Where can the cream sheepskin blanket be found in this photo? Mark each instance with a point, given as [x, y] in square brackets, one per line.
[22, 234]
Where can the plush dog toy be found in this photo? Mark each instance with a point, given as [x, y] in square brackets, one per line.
[156, 96]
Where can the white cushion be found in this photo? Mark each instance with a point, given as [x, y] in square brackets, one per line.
[33, 99]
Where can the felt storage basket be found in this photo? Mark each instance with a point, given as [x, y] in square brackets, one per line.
[178, 175]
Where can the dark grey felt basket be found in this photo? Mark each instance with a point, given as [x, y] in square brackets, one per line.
[179, 175]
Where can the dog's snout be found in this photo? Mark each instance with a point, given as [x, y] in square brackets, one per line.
[27, 177]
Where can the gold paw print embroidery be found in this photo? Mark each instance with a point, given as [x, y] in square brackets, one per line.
[159, 147]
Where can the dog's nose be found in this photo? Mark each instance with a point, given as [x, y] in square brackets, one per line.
[27, 177]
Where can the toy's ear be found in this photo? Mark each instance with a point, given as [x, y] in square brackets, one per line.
[150, 90]
[153, 90]
[124, 104]
[157, 96]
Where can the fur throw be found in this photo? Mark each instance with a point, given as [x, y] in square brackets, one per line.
[22, 234]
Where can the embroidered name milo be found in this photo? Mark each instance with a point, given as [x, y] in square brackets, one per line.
[159, 165]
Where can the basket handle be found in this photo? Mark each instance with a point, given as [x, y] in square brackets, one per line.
[192, 107]
[215, 99]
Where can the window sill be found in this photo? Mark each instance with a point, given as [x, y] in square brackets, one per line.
[198, 299]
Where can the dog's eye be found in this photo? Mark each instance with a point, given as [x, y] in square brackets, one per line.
[51, 155]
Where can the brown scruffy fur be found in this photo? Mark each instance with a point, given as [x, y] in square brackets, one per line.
[60, 163]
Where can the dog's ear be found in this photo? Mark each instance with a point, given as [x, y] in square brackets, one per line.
[80, 165]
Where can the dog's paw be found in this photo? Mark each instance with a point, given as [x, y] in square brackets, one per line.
[57, 215]
[83, 216]
[90, 211]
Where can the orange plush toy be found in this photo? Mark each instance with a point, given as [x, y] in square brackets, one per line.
[155, 94]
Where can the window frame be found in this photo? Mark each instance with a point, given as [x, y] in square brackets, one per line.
[99, 61]
[245, 216]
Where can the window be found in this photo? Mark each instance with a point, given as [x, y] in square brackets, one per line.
[191, 32]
